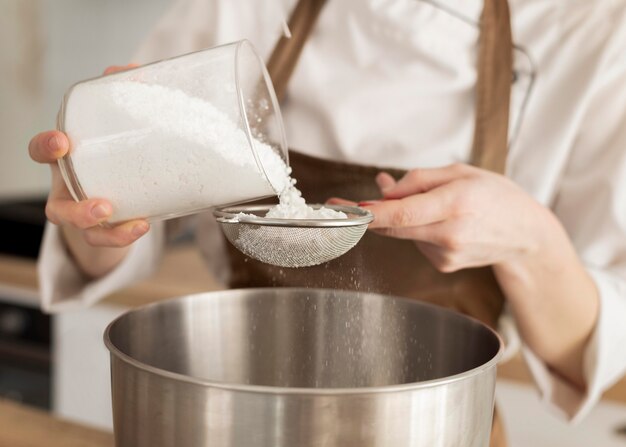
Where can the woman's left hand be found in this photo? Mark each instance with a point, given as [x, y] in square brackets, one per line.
[461, 216]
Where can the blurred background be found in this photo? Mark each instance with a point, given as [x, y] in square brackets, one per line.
[45, 47]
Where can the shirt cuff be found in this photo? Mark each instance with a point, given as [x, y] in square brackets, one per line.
[604, 361]
[62, 285]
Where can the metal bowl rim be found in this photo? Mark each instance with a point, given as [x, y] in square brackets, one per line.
[264, 389]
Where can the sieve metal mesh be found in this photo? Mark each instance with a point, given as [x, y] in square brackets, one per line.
[292, 242]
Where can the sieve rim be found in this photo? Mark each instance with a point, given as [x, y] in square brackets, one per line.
[226, 214]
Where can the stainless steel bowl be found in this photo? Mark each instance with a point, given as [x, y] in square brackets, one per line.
[300, 368]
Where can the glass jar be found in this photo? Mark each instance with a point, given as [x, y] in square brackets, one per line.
[176, 136]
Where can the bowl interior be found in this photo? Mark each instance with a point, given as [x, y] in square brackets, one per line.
[305, 338]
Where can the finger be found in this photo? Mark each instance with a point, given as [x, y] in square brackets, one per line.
[48, 147]
[385, 182]
[433, 234]
[118, 236]
[83, 214]
[340, 201]
[423, 180]
[398, 233]
[439, 258]
[431, 251]
[411, 211]
[58, 188]
[117, 68]
[426, 233]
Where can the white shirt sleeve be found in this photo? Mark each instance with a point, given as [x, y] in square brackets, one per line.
[63, 286]
[191, 25]
[591, 204]
[604, 360]
[188, 25]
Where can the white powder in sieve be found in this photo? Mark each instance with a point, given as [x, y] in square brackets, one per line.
[155, 151]
[293, 206]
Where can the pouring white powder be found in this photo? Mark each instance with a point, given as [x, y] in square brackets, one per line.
[293, 206]
[158, 152]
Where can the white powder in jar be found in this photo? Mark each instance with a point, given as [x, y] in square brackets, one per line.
[154, 151]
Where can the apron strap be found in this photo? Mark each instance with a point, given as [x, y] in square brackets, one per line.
[287, 51]
[493, 87]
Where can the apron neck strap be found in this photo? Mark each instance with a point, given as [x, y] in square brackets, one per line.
[287, 51]
[493, 87]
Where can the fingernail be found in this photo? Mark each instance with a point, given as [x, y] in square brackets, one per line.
[100, 211]
[140, 229]
[54, 143]
[369, 202]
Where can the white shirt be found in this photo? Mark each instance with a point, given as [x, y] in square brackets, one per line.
[391, 82]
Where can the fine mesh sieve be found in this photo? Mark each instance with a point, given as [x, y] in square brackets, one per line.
[292, 242]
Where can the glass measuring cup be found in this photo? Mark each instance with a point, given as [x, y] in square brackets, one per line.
[176, 136]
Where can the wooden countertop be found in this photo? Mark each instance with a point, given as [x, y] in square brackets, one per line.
[23, 426]
[183, 272]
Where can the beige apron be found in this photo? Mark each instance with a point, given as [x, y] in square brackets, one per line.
[382, 264]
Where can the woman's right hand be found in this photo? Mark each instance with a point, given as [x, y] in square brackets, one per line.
[96, 249]
[84, 216]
